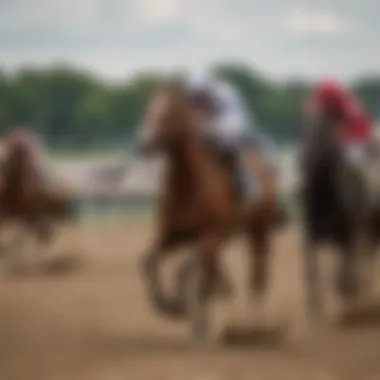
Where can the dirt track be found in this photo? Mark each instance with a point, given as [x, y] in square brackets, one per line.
[95, 323]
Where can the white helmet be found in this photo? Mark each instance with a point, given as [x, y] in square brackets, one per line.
[198, 83]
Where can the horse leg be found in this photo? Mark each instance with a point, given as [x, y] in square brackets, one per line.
[14, 248]
[347, 277]
[312, 279]
[202, 284]
[2, 248]
[222, 286]
[42, 228]
[258, 273]
[369, 269]
[150, 265]
[371, 262]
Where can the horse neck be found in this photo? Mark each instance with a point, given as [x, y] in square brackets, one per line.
[188, 157]
[323, 180]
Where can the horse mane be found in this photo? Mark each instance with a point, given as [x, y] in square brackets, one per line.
[190, 157]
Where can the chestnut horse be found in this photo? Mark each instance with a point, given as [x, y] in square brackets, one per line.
[23, 197]
[199, 205]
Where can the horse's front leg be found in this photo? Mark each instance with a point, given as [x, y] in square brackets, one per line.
[42, 227]
[204, 281]
[312, 279]
[150, 265]
[14, 248]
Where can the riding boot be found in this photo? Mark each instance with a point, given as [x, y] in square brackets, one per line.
[249, 188]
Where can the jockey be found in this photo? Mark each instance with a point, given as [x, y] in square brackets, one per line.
[226, 123]
[352, 124]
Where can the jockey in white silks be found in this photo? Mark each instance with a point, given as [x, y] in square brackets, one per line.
[231, 127]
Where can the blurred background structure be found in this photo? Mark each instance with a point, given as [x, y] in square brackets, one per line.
[85, 120]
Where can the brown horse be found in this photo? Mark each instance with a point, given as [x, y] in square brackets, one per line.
[199, 205]
[23, 198]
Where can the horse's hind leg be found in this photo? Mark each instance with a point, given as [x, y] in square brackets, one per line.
[258, 273]
[369, 281]
[348, 283]
[43, 229]
[150, 264]
[312, 279]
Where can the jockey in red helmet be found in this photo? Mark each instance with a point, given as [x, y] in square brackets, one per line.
[352, 124]
[345, 109]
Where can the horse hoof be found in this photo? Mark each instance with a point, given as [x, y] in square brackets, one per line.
[147, 266]
[348, 289]
[174, 309]
[223, 288]
[315, 314]
[199, 337]
[198, 342]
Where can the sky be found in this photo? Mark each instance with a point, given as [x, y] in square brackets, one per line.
[117, 38]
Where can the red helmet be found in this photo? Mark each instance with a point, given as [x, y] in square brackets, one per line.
[331, 92]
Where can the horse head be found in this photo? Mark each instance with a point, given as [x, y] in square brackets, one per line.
[21, 143]
[166, 120]
[20, 152]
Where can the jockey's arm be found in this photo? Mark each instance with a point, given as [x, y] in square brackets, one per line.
[236, 131]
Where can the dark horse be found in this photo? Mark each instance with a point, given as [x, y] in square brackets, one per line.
[335, 210]
[23, 197]
[198, 205]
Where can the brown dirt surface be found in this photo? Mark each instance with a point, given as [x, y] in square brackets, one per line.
[93, 321]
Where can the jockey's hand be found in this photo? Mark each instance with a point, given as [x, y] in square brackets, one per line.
[254, 161]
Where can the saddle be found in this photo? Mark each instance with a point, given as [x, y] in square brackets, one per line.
[229, 160]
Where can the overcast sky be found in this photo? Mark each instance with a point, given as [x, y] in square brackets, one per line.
[281, 38]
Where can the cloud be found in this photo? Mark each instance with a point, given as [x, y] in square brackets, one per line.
[119, 37]
[50, 14]
[316, 22]
[210, 18]
[202, 18]
[157, 11]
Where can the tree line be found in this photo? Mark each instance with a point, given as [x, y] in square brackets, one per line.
[73, 107]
